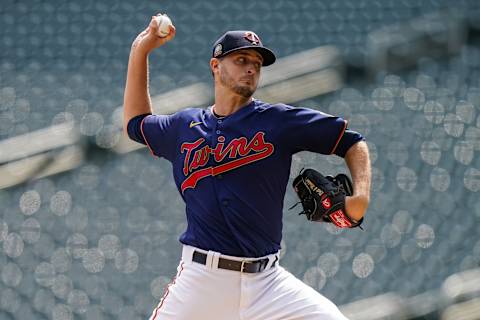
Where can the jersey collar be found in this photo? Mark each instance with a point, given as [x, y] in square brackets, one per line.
[250, 107]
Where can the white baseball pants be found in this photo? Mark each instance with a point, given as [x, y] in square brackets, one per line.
[205, 292]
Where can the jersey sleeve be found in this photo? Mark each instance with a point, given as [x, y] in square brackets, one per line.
[159, 134]
[133, 128]
[311, 130]
[349, 138]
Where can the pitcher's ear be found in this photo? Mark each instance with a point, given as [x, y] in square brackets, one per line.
[214, 65]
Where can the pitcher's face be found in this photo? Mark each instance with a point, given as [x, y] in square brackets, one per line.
[239, 71]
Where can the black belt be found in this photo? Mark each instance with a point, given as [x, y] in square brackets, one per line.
[242, 266]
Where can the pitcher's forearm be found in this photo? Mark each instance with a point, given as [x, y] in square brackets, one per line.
[136, 97]
[358, 162]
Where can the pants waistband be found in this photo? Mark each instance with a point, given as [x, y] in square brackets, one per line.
[216, 260]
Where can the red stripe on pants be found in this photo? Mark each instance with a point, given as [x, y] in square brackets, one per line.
[166, 292]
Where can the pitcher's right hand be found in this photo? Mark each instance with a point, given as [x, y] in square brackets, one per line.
[148, 40]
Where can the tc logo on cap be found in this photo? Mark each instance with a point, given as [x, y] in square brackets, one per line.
[252, 37]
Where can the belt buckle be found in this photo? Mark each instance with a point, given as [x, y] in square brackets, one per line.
[242, 266]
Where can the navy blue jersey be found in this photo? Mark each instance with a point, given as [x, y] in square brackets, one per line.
[232, 172]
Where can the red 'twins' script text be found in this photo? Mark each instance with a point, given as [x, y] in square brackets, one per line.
[239, 150]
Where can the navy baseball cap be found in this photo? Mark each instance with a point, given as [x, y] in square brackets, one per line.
[237, 40]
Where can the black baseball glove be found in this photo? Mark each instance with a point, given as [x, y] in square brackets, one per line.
[323, 197]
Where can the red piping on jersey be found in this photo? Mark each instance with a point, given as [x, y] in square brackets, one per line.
[145, 138]
[167, 291]
[340, 137]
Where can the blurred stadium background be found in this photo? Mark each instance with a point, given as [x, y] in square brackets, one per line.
[89, 221]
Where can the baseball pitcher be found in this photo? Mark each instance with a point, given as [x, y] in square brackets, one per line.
[231, 164]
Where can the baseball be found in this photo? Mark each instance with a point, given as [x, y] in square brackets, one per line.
[164, 23]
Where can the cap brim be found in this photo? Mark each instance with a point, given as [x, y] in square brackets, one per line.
[267, 54]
